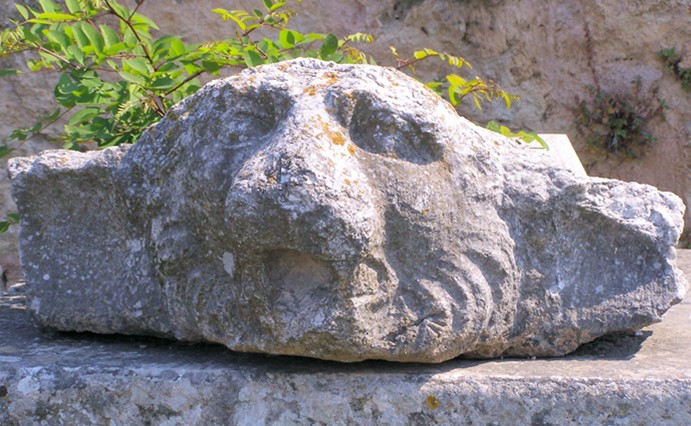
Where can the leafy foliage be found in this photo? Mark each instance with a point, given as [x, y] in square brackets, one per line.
[116, 77]
[456, 87]
[116, 80]
[11, 219]
[673, 62]
[521, 135]
[618, 124]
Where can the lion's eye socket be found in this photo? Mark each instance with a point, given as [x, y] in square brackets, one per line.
[379, 131]
[240, 116]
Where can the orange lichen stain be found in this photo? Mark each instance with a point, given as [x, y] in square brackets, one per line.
[63, 161]
[332, 78]
[351, 149]
[311, 90]
[424, 211]
[347, 181]
[432, 402]
[335, 135]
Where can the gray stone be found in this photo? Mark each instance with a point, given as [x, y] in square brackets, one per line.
[343, 213]
[68, 378]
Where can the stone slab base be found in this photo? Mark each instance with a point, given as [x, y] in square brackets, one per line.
[50, 378]
[561, 149]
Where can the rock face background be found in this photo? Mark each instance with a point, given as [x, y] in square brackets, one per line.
[343, 213]
[534, 48]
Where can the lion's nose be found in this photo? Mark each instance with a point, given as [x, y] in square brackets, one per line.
[302, 195]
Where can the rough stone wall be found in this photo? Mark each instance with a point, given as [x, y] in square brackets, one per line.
[534, 48]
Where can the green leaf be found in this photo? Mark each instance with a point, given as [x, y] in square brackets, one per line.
[168, 67]
[119, 9]
[40, 21]
[5, 150]
[457, 62]
[28, 35]
[329, 46]
[35, 128]
[94, 37]
[163, 83]
[493, 126]
[59, 38]
[56, 17]
[286, 38]
[79, 35]
[192, 68]
[129, 38]
[507, 99]
[211, 66]
[85, 114]
[451, 93]
[49, 6]
[13, 217]
[161, 45]
[52, 116]
[115, 49]
[63, 91]
[541, 141]
[142, 22]
[110, 37]
[4, 226]
[177, 47]
[277, 6]
[456, 80]
[77, 54]
[22, 11]
[73, 6]
[232, 16]
[137, 79]
[113, 66]
[477, 103]
[361, 38]
[140, 65]
[9, 71]
[420, 54]
[268, 47]
[252, 58]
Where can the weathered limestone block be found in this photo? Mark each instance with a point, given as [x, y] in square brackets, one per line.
[341, 212]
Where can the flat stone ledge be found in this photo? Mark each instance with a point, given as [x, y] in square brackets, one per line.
[561, 150]
[69, 378]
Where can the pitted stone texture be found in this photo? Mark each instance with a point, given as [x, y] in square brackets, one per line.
[342, 212]
[75, 245]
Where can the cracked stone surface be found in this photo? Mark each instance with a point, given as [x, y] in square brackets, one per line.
[340, 212]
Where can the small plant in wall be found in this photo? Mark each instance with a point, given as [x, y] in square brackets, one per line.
[673, 62]
[619, 124]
